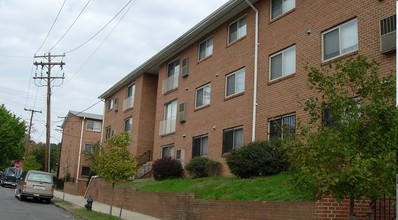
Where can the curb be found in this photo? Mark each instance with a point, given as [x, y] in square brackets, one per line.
[68, 207]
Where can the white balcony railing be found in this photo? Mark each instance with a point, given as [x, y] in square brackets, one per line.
[128, 103]
[167, 126]
[170, 83]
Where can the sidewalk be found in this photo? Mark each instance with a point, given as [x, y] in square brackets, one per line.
[100, 207]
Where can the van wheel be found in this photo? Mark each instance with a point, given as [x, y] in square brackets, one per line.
[47, 201]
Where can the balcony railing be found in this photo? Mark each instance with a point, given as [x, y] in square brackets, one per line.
[170, 83]
[128, 103]
[167, 126]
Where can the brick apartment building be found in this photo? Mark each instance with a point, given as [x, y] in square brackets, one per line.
[238, 75]
[80, 132]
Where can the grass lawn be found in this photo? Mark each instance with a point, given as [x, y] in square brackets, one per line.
[272, 188]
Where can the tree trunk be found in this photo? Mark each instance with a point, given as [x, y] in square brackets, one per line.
[352, 206]
[113, 192]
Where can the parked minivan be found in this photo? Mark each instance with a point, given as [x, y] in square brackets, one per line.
[35, 184]
[9, 176]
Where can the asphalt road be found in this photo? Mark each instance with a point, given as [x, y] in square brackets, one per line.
[12, 208]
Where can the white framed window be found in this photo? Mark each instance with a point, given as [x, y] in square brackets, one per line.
[205, 48]
[88, 148]
[180, 155]
[110, 104]
[280, 7]
[340, 40]
[202, 97]
[93, 126]
[173, 71]
[168, 124]
[128, 124]
[237, 29]
[232, 139]
[283, 63]
[199, 146]
[168, 151]
[108, 132]
[235, 82]
[282, 126]
[129, 100]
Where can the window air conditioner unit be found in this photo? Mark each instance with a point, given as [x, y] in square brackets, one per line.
[185, 66]
[182, 112]
[388, 34]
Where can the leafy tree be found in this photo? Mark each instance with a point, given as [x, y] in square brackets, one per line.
[12, 136]
[30, 163]
[114, 162]
[349, 146]
[38, 150]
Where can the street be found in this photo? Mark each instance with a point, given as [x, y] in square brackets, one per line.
[12, 208]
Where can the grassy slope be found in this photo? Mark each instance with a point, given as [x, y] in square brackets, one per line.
[273, 188]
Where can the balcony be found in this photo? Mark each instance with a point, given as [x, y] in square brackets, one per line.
[170, 83]
[128, 103]
[167, 126]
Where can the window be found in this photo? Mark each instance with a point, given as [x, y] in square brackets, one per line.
[202, 96]
[168, 125]
[206, 48]
[128, 124]
[232, 139]
[108, 133]
[173, 71]
[235, 82]
[340, 40]
[237, 29]
[180, 155]
[168, 151]
[185, 67]
[280, 7]
[283, 63]
[86, 171]
[199, 146]
[88, 148]
[93, 126]
[110, 104]
[282, 126]
[129, 101]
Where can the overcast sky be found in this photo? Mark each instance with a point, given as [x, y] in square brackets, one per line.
[95, 60]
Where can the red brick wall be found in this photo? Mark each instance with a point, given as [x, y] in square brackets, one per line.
[142, 113]
[274, 98]
[77, 189]
[72, 133]
[184, 206]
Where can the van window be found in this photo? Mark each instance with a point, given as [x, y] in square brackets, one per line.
[39, 177]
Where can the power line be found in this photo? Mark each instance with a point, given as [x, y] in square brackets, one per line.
[70, 26]
[55, 20]
[96, 49]
[100, 29]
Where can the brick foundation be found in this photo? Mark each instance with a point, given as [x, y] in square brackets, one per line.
[185, 206]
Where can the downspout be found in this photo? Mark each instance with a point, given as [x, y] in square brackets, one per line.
[255, 72]
[80, 150]
[103, 122]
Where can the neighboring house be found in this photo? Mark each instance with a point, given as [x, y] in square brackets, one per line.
[216, 88]
[81, 131]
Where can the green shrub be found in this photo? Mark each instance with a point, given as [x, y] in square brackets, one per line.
[203, 167]
[261, 158]
[166, 168]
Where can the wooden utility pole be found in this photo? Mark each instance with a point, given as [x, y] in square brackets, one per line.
[30, 130]
[48, 64]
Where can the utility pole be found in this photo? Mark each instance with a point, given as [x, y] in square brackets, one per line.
[30, 130]
[49, 63]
